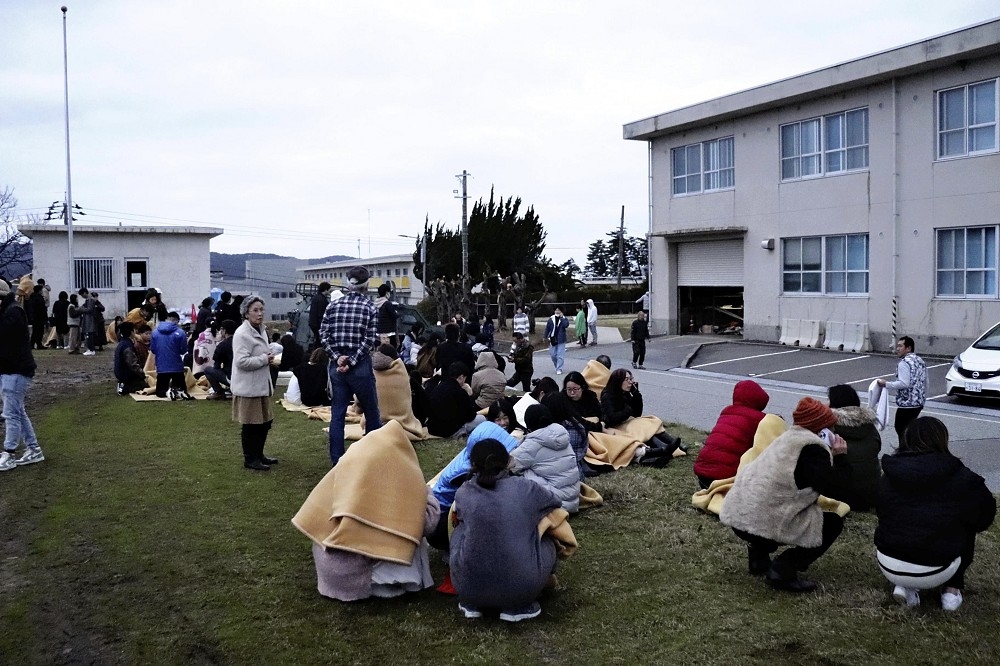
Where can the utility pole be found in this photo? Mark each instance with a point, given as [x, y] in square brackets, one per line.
[465, 229]
[621, 246]
[69, 186]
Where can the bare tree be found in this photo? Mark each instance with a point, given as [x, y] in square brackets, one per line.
[15, 247]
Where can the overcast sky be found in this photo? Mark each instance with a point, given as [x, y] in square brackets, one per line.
[303, 127]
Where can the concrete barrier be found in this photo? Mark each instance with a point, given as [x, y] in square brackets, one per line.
[790, 331]
[835, 335]
[857, 338]
[811, 333]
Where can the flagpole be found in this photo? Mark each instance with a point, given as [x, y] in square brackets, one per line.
[69, 186]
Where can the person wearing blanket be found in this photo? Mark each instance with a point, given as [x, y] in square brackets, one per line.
[367, 519]
[621, 403]
[583, 401]
[488, 382]
[452, 412]
[546, 457]
[732, 435]
[773, 500]
[457, 472]
[498, 559]
[930, 507]
[309, 380]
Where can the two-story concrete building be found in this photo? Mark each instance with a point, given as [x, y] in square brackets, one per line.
[867, 192]
[397, 268]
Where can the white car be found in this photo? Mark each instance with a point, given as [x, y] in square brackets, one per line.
[976, 371]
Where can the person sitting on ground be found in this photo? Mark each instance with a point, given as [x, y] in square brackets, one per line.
[292, 355]
[154, 301]
[488, 382]
[452, 410]
[410, 347]
[418, 398]
[501, 412]
[140, 315]
[128, 370]
[451, 350]
[221, 370]
[583, 401]
[427, 354]
[621, 405]
[169, 346]
[367, 518]
[457, 472]
[930, 508]
[773, 500]
[542, 387]
[204, 348]
[143, 337]
[498, 559]
[564, 414]
[857, 425]
[489, 330]
[597, 372]
[308, 384]
[545, 456]
[732, 435]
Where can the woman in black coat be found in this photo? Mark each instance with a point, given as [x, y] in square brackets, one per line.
[621, 401]
[930, 507]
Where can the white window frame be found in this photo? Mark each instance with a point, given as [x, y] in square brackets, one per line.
[95, 273]
[961, 262]
[817, 130]
[969, 123]
[828, 271]
[710, 173]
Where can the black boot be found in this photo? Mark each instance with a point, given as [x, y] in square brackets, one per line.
[250, 455]
[667, 443]
[261, 441]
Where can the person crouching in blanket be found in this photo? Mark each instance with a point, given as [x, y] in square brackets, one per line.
[498, 558]
[773, 500]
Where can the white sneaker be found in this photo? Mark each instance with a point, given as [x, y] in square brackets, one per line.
[640, 453]
[558, 372]
[32, 454]
[7, 461]
[90, 353]
[906, 596]
[951, 601]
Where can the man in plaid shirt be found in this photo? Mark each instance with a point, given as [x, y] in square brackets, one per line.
[348, 333]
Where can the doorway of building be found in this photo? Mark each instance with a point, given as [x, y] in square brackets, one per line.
[136, 281]
[711, 309]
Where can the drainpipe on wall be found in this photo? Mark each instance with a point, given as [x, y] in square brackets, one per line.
[649, 237]
[895, 217]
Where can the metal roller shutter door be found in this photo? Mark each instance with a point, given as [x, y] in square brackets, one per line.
[710, 264]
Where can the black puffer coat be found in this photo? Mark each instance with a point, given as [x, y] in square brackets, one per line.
[929, 505]
[15, 343]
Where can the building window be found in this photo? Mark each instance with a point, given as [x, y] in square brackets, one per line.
[825, 265]
[832, 144]
[704, 167]
[967, 262]
[406, 271]
[398, 273]
[94, 274]
[967, 120]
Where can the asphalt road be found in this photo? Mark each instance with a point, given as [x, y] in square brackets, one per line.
[689, 379]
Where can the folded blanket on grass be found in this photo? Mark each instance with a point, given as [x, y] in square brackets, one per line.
[379, 515]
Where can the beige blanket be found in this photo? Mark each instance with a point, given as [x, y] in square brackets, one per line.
[373, 502]
[597, 376]
[395, 403]
[713, 498]
[556, 525]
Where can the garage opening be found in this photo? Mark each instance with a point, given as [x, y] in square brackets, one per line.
[710, 286]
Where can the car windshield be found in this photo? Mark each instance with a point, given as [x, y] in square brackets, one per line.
[990, 339]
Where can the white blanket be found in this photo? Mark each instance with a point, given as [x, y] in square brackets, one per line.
[878, 402]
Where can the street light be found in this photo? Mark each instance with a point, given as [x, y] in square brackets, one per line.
[423, 257]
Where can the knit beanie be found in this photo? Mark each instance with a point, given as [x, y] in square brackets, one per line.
[813, 415]
[843, 395]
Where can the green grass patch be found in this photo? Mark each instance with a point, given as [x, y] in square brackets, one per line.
[141, 539]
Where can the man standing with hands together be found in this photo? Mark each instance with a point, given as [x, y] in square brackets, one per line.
[348, 333]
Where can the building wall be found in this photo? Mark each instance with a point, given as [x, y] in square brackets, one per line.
[177, 264]
[409, 290]
[929, 194]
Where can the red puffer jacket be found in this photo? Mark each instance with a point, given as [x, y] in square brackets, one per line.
[733, 433]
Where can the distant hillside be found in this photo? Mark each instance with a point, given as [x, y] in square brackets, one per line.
[235, 264]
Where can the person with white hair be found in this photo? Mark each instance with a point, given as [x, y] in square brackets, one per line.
[349, 335]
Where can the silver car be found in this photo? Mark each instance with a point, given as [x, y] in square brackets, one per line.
[976, 371]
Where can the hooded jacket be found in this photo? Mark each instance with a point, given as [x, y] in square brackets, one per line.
[15, 345]
[488, 382]
[857, 425]
[445, 486]
[929, 505]
[591, 312]
[733, 433]
[169, 344]
[545, 456]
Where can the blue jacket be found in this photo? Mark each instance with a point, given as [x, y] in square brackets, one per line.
[551, 328]
[443, 490]
[169, 344]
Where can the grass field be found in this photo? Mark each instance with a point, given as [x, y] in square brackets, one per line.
[141, 539]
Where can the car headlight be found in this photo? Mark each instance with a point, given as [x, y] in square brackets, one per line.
[957, 362]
